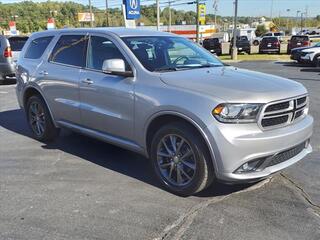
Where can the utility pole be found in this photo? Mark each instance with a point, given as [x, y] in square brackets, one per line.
[271, 11]
[169, 25]
[198, 23]
[107, 13]
[158, 15]
[301, 21]
[91, 19]
[288, 11]
[234, 54]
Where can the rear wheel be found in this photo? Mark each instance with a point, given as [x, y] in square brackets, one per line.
[181, 160]
[40, 121]
[316, 61]
[255, 42]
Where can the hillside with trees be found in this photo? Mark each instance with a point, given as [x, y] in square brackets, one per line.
[33, 16]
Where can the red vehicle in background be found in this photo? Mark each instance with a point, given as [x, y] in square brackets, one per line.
[298, 41]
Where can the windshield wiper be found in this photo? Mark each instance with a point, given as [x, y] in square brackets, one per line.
[165, 69]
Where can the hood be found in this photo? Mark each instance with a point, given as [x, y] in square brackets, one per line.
[234, 85]
[303, 48]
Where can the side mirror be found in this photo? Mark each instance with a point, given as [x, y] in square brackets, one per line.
[116, 67]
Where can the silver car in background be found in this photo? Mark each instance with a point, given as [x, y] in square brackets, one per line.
[158, 94]
[10, 48]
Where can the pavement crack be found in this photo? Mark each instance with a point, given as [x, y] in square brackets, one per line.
[302, 192]
[185, 220]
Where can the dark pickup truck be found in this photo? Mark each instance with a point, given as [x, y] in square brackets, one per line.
[213, 45]
[242, 43]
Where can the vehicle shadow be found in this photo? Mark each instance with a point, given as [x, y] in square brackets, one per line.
[104, 155]
[8, 82]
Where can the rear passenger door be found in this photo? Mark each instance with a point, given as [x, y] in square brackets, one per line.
[107, 100]
[60, 77]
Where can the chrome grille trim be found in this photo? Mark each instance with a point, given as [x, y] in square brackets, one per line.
[296, 105]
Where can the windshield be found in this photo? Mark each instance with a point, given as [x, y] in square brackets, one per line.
[317, 45]
[170, 53]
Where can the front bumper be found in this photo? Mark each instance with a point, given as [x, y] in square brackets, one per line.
[237, 144]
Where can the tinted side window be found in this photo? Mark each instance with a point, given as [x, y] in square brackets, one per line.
[17, 43]
[37, 47]
[102, 49]
[70, 50]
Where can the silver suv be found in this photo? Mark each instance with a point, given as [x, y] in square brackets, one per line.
[161, 95]
[10, 47]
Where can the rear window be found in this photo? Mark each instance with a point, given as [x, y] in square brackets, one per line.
[70, 50]
[300, 38]
[270, 39]
[37, 47]
[17, 43]
[212, 40]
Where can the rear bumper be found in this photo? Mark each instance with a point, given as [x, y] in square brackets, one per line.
[237, 144]
[267, 50]
[6, 69]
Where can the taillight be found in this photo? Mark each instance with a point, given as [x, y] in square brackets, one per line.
[7, 52]
[306, 43]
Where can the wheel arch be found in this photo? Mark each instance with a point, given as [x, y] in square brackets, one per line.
[33, 91]
[167, 117]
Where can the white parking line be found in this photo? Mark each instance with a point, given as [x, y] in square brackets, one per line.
[3, 92]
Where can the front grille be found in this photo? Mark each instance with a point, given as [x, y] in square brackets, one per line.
[283, 112]
[286, 155]
[277, 107]
[267, 122]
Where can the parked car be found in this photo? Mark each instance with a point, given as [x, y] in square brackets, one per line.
[163, 96]
[10, 47]
[270, 45]
[298, 41]
[279, 35]
[213, 45]
[306, 54]
[242, 43]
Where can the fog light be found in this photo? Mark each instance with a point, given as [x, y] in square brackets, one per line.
[250, 166]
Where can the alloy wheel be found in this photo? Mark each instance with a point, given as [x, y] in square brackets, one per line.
[176, 160]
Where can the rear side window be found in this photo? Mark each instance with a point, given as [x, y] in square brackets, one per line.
[17, 43]
[37, 47]
[70, 50]
[300, 38]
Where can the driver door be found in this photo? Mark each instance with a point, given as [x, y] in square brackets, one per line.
[107, 101]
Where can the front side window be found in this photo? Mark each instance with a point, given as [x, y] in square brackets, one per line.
[37, 47]
[170, 53]
[70, 50]
[101, 49]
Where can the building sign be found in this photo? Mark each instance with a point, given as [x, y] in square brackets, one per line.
[202, 14]
[85, 17]
[51, 24]
[13, 28]
[132, 9]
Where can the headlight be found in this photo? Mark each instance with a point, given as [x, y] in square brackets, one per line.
[236, 113]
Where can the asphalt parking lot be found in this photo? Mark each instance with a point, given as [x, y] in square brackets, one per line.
[80, 188]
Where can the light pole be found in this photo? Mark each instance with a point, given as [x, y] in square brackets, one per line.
[90, 8]
[288, 11]
[297, 18]
[158, 15]
[169, 26]
[107, 12]
[234, 54]
[198, 23]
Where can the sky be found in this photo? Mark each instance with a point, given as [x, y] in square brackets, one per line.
[254, 8]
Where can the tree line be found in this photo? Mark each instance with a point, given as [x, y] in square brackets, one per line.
[31, 16]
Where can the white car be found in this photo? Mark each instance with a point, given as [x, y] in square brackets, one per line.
[307, 54]
[279, 35]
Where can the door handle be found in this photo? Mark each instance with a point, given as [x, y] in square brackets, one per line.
[44, 73]
[87, 81]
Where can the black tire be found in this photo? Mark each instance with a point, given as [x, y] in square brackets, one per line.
[48, 132]
[316, 61]
[203, 173]
[256, 43]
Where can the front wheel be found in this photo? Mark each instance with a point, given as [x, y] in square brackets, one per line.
[181, 160]
[39, 119]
